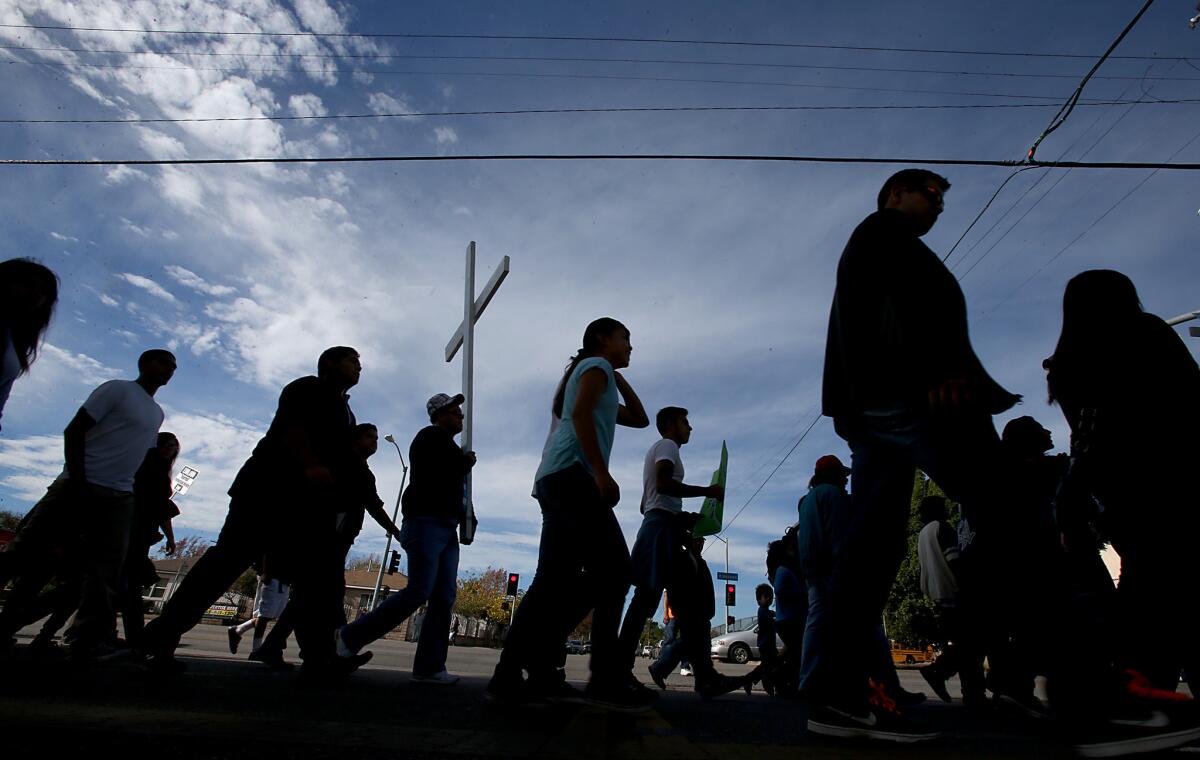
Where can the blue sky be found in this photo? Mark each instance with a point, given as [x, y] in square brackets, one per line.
[723, 271]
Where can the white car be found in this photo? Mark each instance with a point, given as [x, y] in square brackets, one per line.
[739, 646]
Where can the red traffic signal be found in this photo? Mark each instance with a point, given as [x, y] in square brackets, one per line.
[512, 584]
[730, 595]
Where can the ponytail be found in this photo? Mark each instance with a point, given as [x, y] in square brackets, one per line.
[598, 329]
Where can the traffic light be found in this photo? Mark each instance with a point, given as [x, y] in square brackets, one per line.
[512, 584]
[729, 620]
[394, 563]
[730, 595]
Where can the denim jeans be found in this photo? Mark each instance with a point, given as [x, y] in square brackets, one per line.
[432, 547]
[583, 563]
[962, 455]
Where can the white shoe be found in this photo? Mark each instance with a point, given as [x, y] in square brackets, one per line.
[685, 671]
[442, 678]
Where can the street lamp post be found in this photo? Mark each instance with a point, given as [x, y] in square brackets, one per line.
[395, 512]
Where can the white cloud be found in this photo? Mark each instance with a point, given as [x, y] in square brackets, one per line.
[119, 174]
[136, 229]
[63, 238]
[307, 104]
[85, 369]
[445, 135]
[33, 463]
[190, 279]
[170, 234]
[108, 300]
[148, 285]
[382, 103]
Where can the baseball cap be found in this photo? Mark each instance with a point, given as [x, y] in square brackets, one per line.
[830, 463]
[440, 401]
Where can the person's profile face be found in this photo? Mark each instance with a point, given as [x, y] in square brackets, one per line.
[617, 348]
[683, 430]
[348, 370]
[922, 205]
[169, 450]
[368, 442]
[451, 417]
[159, 369]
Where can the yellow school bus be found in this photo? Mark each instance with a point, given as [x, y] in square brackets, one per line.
[902, 654]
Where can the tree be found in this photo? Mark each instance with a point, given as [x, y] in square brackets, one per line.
[481, 596]
[908, 615]
[583, 631]
[651, 634]
[9, 520]
[362, 562]
[186, 547]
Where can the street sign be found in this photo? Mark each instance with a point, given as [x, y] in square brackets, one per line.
[727, 576]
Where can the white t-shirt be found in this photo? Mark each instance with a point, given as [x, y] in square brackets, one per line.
[664, 450]
[127, 422]
[937, 546]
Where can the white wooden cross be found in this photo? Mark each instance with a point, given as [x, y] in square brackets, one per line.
[464, 336]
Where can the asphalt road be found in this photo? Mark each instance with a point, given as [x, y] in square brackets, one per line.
[224, 706]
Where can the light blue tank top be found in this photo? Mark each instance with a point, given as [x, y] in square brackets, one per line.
[563, 449]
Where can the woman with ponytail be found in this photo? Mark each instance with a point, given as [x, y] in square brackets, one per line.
[583, 560]
[28, 292]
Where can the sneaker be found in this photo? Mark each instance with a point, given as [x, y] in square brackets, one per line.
[510, 691]
[685, 672]
[557, 693]
[621, 696]
[1025, 704]
[870, 722]
[936, 682]
[1134, 731]
[659, 679]
[441, 678]
[235, 638]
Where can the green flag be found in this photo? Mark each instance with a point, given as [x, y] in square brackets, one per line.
[712, 512]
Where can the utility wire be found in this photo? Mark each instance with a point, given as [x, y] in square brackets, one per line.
[983, 210]
[763, 485]
[537, 111]
[559, 59]
[600, 157]
[1064, 112]
[565, 38]
[527, 75]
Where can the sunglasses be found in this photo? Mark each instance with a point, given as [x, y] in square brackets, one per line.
[934, 194]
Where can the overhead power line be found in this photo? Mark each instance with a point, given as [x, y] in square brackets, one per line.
[1060, 118]
[562, 59]
[532, 75]
[600, 157]
[569, 38]
[640, 109]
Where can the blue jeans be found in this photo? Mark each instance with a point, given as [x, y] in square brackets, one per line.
[432, 547]
[962, 455]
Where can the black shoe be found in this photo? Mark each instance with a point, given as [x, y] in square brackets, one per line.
[45, 648]
[512, 691]
[556, 693]
[719, 684]
[869, 722]
[272, 658]
[347, 665]
[1132, 731]
[659, 679]
[622, 696]
[1025, 704]
[163, 663]
[235, 638]
[936, 682]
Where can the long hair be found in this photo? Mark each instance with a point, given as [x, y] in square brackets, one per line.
[1097, 304]
[597, 330]
[163, 439]
[28, 326]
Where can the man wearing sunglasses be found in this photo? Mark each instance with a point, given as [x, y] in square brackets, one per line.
[906, 391]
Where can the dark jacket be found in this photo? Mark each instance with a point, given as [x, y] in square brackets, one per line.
[322, 413]
[898, 326]
[439, 471]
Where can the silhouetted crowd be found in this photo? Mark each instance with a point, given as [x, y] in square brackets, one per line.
[1013, 576]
